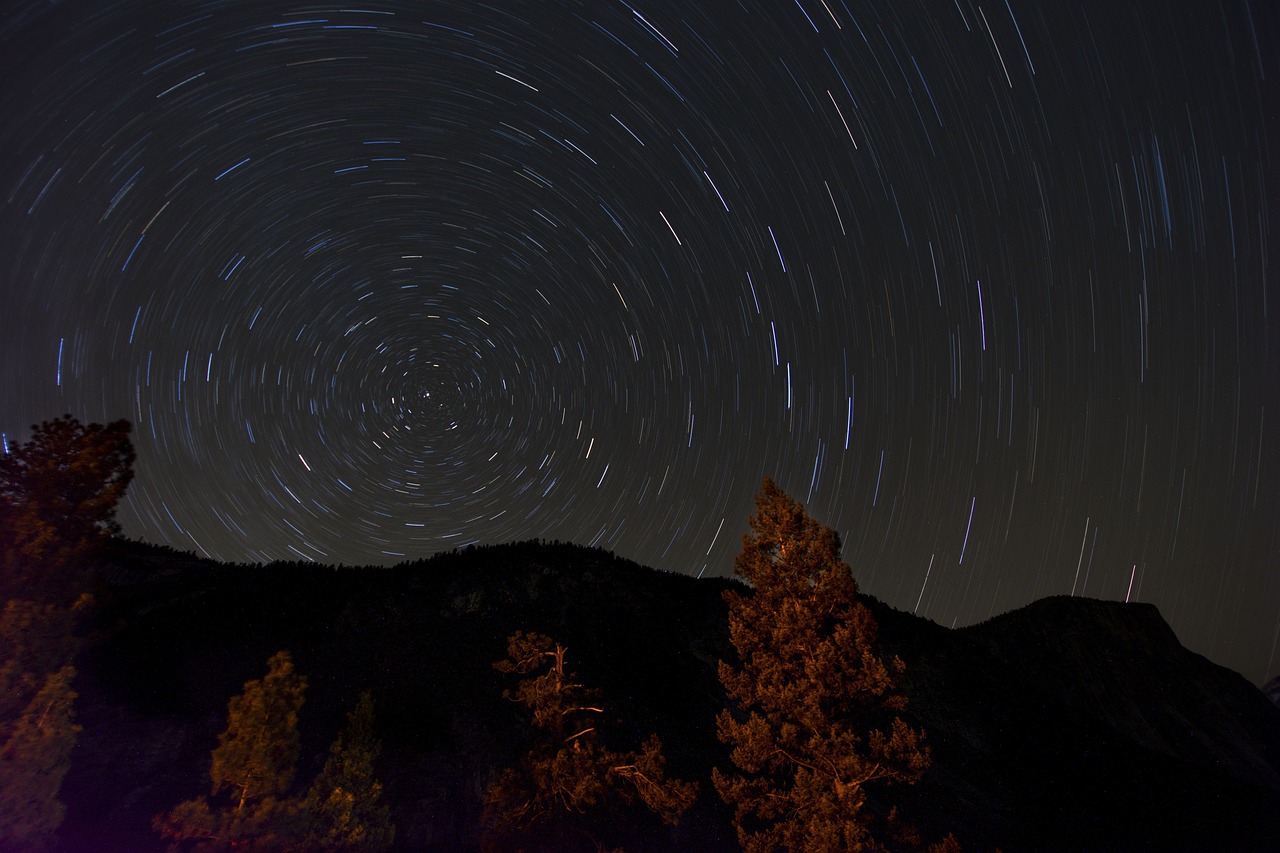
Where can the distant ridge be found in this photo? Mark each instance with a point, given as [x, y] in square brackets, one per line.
[1068, 724]
[1272, 689]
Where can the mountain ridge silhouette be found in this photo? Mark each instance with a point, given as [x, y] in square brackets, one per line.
[1067, 724]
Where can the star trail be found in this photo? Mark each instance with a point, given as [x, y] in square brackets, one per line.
[986, 285]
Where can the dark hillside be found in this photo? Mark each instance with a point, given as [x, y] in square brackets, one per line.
[1070, 724]
[180, 637]
[1076, 724]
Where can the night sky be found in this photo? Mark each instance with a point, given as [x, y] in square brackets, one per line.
[987, 286]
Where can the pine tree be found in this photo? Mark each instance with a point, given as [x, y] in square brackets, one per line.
[35, 640]
[253, 767]
[814, 718]
[257, 754]
[343, 807]
[58, 497]
[37, 646]
[35, 754]
[569, 790]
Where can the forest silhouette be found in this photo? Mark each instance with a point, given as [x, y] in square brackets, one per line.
[547, 696]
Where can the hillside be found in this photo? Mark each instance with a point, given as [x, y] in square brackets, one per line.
[1069, 724]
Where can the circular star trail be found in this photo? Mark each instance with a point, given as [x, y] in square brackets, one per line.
[986, 286]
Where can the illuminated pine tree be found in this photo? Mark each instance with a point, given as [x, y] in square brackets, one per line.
[569, 790]
[35, 640]
[35, 754]
[814, 714]
[253, 767]
[58, 497]
[343, 808]
[258, 753]
[37, 732]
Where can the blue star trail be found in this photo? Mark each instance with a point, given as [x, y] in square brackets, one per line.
[376, 282]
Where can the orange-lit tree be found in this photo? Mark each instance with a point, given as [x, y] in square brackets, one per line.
[35, 754]
[343, 809]
[570, 791]
[813, 719]
[253, 768]
[58, 497]
[58, 494]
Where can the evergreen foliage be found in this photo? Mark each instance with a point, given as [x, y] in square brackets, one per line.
[58, 497]
[813, 723]
[37, 730]
[258, 753]
[813, 719]
[35, 640]
[343, 808]
[569, 790]
[253, 767]
[268, 825]
[35, 754]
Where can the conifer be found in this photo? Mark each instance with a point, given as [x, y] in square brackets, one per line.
[257, 754]
[58, 497]
[35, 640]
[814, 708]
[37, 732]
[35, 754]
[344, 808]
[253, 767]
[570, 790]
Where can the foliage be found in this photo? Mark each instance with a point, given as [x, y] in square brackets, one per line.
[58, 497]
[343, 808]
[35, 640]
[258, 753]
[35, 754]
[949, 844]
[814, 717]
[570, 790]
[253, 767]
[37, 731]
[269, 825]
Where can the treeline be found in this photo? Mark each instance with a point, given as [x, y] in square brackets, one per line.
[812, 719]
[58, 494]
